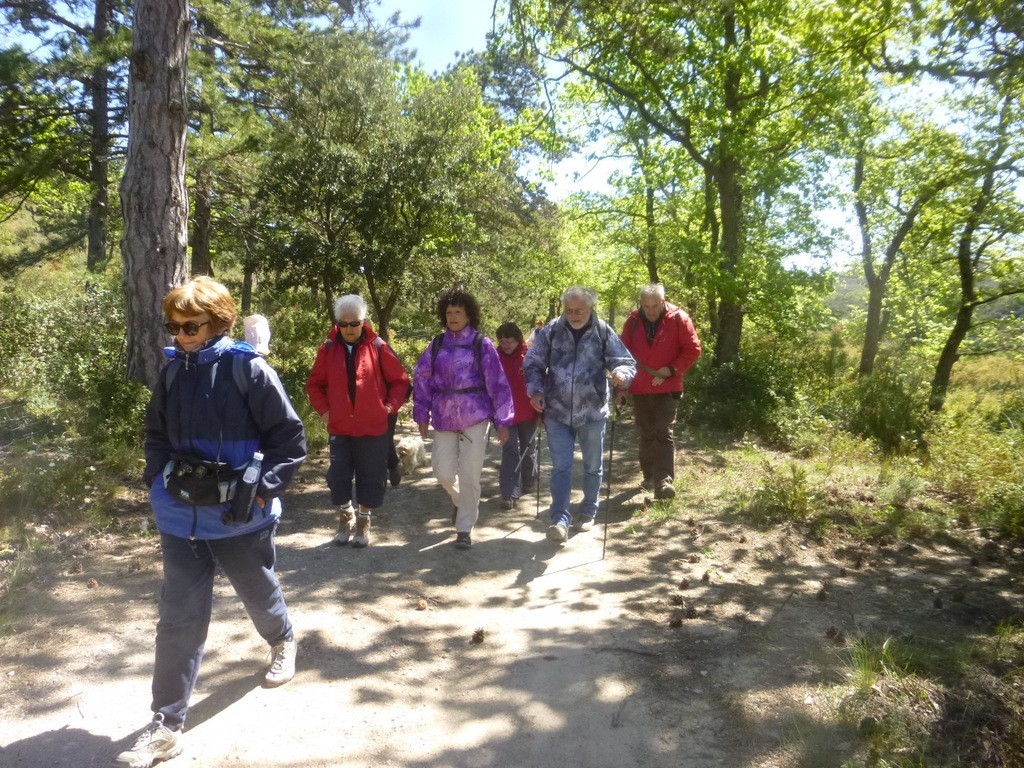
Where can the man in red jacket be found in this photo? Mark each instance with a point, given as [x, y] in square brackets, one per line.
[664, 343]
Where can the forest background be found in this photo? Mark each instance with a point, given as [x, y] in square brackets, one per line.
[294, 150]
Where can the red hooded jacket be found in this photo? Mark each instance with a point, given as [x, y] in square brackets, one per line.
[675, 344]
[513, 367]
[380, 380]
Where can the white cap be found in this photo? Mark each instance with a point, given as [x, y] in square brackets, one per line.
[257, 333]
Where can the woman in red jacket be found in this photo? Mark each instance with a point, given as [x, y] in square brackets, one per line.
[356, 382]
[519, 454]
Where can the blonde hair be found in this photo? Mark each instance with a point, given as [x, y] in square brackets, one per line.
[199, 295]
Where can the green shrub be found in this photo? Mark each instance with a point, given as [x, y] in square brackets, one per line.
[980, 466]
[784, 496]
[889, 407]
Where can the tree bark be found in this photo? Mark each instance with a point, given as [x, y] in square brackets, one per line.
[201, 219]
[652, 234]
[154, 201]
[966, 265]
[96, 253]
[730, 309]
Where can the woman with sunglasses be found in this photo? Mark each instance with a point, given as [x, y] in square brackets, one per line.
[461, 388]
[356, 384]
[202, 420]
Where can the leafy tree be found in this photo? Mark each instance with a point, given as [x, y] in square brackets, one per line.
[78, 84]
[741, 89]
[975, 52]
[385, 178]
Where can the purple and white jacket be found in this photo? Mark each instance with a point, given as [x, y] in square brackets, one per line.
[453, 392]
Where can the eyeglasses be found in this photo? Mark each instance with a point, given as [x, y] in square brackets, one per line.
[191, 328]
[349, 324]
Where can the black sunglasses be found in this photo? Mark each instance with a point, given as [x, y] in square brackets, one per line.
[349, 324]
[191, 328]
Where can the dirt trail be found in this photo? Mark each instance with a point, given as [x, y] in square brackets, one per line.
[579, 663]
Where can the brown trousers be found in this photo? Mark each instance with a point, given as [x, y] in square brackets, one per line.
[655, 415]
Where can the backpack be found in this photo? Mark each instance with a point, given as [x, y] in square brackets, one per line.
[378, 343]
[476, 344]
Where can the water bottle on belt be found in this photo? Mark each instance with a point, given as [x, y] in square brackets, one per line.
[245, 492]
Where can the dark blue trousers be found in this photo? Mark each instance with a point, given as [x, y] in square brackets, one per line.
[186, 603]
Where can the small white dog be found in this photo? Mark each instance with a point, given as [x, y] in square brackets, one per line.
[412, 453]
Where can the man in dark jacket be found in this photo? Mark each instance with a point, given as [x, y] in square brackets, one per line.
[664, 343]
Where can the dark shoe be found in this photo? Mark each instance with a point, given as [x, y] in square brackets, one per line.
[665, 491]
[395, 475]
[646, 485]
[508, 503]
[558, 533]
[463, 541]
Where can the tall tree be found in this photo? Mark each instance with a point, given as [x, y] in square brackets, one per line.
[82, 44]
[741, 88]
[154, 199]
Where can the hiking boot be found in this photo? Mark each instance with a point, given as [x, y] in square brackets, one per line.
[361, 537]
[463, 541]
[395, 475]
[558, 533]
[646, 485]
[508, 503]
[282, 664]
[583, 524]
[156, 742]
[344, 526]
[665, 491]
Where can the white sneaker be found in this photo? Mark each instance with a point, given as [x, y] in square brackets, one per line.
[557, 533]
[156, 742]
[282, 664]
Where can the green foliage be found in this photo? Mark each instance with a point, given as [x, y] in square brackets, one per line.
[784, 496]
[62, 351]
[888, 406]
[60, 487]
[918, 701]
[980, 467]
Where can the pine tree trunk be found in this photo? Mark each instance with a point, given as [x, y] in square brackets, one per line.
[96, 254]
[153, 193]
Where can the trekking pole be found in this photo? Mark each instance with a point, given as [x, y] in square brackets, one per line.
[540, 424]
[608, 488]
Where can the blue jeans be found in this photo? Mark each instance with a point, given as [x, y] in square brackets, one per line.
[561, 444]
[186, 603]
[519, 460]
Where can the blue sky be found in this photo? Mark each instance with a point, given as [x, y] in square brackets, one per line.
[447, 27]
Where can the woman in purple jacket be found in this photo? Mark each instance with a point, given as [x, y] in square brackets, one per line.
[460, 386]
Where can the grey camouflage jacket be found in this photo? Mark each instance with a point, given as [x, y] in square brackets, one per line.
[573, 376]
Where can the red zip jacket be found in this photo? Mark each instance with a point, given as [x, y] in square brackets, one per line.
[380, 380]
[675, 344]
[513, 367]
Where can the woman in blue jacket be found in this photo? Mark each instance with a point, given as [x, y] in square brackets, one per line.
[216, 405]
